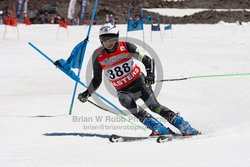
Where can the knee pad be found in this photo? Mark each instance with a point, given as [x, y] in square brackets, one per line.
[126, 100]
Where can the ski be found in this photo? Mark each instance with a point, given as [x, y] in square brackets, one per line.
[159, 139]
[166, 138]
[117, 138]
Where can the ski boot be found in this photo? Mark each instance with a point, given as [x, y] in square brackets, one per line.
[156, 127]
[183, 126]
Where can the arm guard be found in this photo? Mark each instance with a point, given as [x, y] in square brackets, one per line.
[149, 64]
[97, 72]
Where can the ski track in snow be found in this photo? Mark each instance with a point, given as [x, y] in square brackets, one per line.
[36, 129]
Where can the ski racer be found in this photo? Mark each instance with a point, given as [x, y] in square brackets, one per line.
[116, 59]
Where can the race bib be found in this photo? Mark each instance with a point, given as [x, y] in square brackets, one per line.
[120, 70]
[123, 74]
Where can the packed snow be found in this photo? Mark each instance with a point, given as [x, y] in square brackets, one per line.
[36, 130]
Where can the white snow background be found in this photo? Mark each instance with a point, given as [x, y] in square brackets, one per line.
[36, 130]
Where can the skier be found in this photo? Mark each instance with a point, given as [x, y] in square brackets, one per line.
[116, 59]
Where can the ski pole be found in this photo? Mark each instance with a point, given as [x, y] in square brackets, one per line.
[168, 80]
[204, 76]
[99, 106]
[91, 102]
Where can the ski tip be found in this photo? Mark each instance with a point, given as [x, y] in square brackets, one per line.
[114, 138]
[163, 139]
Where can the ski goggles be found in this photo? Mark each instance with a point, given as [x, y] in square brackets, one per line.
[110, 42]
[109, 38]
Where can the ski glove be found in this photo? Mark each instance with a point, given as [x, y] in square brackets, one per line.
[150, 79]
[83, 97]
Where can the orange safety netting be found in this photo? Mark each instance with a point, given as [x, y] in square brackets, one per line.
[63, 24]
[11, 21]
[27, 21]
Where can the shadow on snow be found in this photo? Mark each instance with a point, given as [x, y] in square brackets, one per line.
[77, 134]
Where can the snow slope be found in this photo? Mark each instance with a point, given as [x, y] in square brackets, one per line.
[36, 129]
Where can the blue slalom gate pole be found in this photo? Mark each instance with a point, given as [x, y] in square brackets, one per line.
[81, 83]
[83, 50]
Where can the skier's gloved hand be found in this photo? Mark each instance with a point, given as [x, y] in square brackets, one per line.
[150, 79]
[83, 97]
